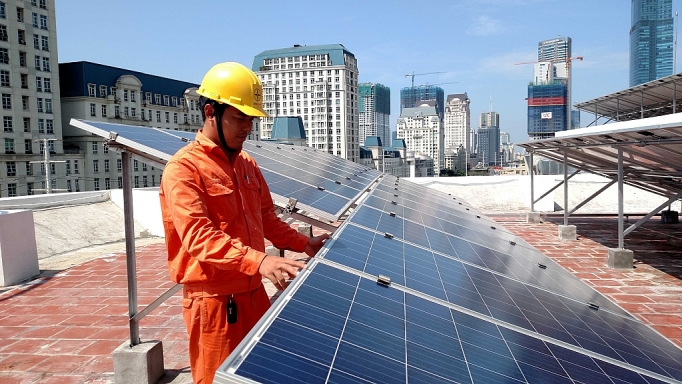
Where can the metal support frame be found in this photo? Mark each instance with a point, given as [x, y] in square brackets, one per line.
[532, 185]
[648, 216]
[620, 199]
[558, 185]
[587, 200]
[307, 220]
[130, 248]
[566, 188]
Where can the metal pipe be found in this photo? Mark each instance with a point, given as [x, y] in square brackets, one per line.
[559, 184]
[620, 200]
[565, 188]
[602, 189]
[130, 248]
[532, 191]
[650, 214]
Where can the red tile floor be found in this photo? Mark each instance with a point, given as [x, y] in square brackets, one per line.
[63, 327]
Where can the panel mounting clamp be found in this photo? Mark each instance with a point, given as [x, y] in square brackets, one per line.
[388, 235]
[383, 280]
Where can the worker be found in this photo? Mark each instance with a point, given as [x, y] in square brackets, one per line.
[217, 212]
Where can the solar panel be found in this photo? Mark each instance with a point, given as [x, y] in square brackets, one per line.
[468, 301]
[325, 188]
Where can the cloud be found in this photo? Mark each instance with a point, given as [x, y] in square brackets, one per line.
[485, 26]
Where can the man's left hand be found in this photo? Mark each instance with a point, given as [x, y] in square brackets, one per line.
[315, 243]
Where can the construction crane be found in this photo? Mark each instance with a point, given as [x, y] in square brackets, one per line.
[428, 85]
[412, 75]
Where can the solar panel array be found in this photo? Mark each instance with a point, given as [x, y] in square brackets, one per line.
[326, 187]
[467, 302]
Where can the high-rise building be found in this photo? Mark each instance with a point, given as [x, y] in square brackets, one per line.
[97, 92]
[457, 122]
[651, 40]
[422, 130]
[549, 94]
[489, 138]
[318, 83]
[31, 114]
[375, 112]
[412, 97]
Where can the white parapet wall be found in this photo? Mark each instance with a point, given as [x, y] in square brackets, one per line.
[18, 251]
[146, 208]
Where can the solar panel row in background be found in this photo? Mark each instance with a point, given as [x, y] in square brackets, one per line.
[327, 186]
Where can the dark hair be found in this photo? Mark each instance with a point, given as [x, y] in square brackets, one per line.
[217, 106]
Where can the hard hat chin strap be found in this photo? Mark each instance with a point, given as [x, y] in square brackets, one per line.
[219, 125]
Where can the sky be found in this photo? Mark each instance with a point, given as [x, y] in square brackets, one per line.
[476, 43]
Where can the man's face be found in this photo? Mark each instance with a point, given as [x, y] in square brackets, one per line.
[236, 127]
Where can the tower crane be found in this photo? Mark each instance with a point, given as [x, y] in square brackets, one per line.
[412, 75]
[428, 84]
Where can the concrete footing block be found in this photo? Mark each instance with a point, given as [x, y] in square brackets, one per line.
[305, 229]
[670, 217]
[567, 232]
[140, 364]
[621, 258]
[533, 217]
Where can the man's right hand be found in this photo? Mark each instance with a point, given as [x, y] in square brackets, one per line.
[277, 269]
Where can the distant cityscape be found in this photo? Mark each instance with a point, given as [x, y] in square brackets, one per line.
[312, 94]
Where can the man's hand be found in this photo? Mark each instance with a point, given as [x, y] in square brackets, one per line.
[314, 244]
[278, 270]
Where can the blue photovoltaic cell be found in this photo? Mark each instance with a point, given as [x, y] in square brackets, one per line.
[339, 328]
[158, 139]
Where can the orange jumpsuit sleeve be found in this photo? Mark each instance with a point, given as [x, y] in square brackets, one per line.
[280, 234]
[186, 199]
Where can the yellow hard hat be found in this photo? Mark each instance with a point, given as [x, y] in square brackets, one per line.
[233, 84]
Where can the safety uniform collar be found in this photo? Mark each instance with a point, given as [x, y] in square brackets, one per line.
[207, 143]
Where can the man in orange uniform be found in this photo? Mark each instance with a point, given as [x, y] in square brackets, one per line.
[217, 210]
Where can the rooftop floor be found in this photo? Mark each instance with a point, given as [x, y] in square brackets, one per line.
[63, 327]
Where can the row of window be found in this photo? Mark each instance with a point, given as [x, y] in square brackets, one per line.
[131, 95]
[25, 101]
[28, 146]
[30, 187]
[44, 125]
[11, 167]
[131, 113]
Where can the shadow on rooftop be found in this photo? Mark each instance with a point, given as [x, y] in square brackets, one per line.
[175, 376]
[28, 284]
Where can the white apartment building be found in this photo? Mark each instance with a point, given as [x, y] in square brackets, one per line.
[422, 129]
[98, 92]
[319, 84]
[457, 122]
[29, 89]
[375, 112]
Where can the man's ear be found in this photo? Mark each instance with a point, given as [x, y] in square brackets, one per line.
[209, 111]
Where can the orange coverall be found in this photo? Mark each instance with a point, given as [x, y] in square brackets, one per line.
[216, 215]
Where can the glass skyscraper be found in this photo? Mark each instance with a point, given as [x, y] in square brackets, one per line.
[651, 40]
[374, 106]
[412, 97]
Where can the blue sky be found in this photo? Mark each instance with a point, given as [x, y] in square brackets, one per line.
[475, 42]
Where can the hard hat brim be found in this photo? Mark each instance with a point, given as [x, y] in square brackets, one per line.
[249, 111]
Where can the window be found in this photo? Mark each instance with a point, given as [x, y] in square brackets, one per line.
[21, 36]
[37, 63]
[43, 22]
[165, 100]
[68, 185]
[106, 166]
[144, 181]
[78, 188]
[22, 59]
[2, 10]
[95, 166]
[27, 124]
[9, 148]
[91, 90]
[4, 56]
[49, 126]
[11, 168]
[94, 147]
[167, 117]
[46, 64]
[53, 168]
[48, 105]
[3, 33]
[125, 95]
[104, 111]
[24, 103]
[105, 149]
[119, 165]
[44, 43]
[120, 182]
[175, 118]
[132, 96]
[153, 181]
[24, 80]
[68, 167]
[40, 104]
[39, 84]
[20, 15]
[7, 124]
[11, 189]
[47, 84]
[117, 111]
[136, 166]
[148, 97]
[28, 147]
[6, 101]
[158, 116]
[43, 4]
[4, 79]
[125, 112]
[34, 17]
[102, 91]
[75, 169]
[36, 41]
[29, 189]
[137, 181]
[133, 112]
[41, 127]
[157, 99]
[174, 100]
[107, 183]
